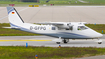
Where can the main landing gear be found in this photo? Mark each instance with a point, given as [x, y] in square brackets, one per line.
[62, 40]
[65, 40]
[58, 40]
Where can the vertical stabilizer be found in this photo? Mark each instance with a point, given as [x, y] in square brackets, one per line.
[14, 17]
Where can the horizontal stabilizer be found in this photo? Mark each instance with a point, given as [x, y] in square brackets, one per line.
[7, 27]
[12, 27]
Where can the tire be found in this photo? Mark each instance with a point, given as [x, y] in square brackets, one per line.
[65, 41]
[58, 42]
[99, 42]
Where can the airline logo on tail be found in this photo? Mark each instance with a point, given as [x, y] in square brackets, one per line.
[13, 12]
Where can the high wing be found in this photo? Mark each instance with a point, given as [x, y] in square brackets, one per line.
[58, 23]
[62, 25]
[51, 23]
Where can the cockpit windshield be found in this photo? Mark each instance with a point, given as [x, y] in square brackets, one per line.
[82, 27]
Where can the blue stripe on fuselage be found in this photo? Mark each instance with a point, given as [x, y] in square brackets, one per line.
[73, 34]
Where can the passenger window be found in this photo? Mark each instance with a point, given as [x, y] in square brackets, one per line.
[53, 28]
[82, 28]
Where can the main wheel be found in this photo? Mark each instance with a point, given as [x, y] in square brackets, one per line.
[65, 41]
[58, 42]
[99, 42]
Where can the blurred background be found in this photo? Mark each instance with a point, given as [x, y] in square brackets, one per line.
[54, 2]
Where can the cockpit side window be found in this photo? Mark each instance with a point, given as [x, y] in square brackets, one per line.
[82, 28]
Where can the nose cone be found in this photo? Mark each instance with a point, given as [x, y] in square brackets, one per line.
[95, 34]
[99, 35]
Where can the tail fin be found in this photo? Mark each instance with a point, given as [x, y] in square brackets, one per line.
[14, 17]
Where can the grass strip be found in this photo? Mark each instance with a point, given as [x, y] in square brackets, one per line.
[97, 27]
[21, 52]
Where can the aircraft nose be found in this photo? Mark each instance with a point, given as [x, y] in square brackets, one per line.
[95, 34]
[99, 35]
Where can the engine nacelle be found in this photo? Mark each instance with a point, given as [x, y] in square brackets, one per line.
[65, 26]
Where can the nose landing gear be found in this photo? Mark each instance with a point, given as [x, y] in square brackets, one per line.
[58, 42]
[99, 41]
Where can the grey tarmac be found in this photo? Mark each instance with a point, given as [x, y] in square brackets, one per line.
[22, 40]
[89, 14]
[48, 41]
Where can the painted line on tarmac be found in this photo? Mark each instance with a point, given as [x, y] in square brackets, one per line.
[24, 40]
[19, 11]
[23, 9]
[3, 17]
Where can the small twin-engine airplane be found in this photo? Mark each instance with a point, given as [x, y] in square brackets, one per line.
[61, 30]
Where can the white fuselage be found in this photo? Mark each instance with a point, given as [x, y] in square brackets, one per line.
[54, 31]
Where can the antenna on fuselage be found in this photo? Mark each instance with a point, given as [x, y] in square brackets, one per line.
[80, 20]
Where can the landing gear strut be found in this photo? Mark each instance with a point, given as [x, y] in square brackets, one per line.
[58, 41]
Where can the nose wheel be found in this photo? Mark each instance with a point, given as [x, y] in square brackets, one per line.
[99, 41]
[58, 42]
